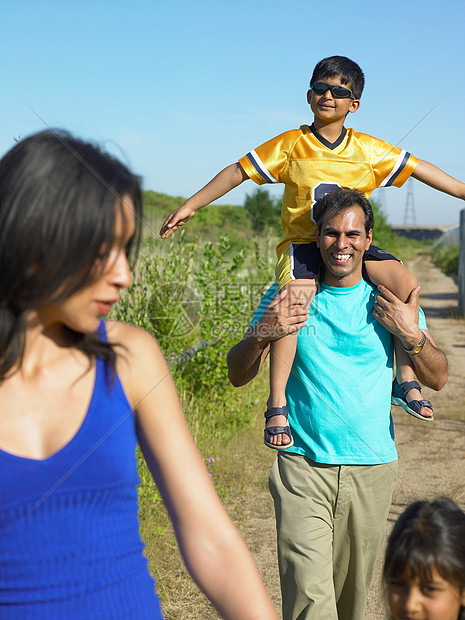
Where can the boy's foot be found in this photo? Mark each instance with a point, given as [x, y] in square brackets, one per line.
[277, 434]
[414, 404]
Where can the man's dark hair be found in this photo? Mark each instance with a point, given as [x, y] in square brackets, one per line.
[338, 200]
[333, 66]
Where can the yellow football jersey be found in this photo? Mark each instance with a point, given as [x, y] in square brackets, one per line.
[310, 166]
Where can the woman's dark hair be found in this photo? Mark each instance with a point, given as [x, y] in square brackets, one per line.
[427, 536]
[58, 200]
[338, 200]
[350, 72]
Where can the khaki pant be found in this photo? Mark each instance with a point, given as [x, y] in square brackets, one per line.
[330, 523]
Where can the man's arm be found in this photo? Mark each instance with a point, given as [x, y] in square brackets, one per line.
[226, 180]
[401, 319]
[438, 179]
[246, 358]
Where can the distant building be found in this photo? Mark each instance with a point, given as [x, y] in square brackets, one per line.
[425, 233]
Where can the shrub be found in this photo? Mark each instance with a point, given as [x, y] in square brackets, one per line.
[197, 301]
[446, 257]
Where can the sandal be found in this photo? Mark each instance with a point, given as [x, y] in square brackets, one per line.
[398, 397]
[271, 431]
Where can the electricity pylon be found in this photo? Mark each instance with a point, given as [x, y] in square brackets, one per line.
[409, 214]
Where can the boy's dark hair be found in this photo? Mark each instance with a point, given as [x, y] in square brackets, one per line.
[58, 201]
[333, 66]
[338, 200]
[428, 535]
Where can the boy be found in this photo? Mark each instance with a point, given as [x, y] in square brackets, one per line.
[310, 162]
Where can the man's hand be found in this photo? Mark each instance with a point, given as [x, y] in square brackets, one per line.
[400, 318]
[175, 220]
[280, 319]
[246, 358]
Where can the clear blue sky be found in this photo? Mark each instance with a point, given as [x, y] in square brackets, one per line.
[183, 88]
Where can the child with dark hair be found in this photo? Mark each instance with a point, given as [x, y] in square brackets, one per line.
[424, 568]
[311, 161]
[77, 394]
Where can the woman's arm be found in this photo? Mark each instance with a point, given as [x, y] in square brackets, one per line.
[212, 548]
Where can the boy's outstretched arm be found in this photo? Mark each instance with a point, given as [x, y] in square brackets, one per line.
[226, 180]
[438, 179]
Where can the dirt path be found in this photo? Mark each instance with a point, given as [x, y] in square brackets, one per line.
[431, 455]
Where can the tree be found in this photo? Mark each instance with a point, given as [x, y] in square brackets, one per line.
[263, 209]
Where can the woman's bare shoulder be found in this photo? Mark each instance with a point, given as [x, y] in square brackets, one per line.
[128, 335]
[140, 360]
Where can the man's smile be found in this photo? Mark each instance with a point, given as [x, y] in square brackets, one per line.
[342, 257]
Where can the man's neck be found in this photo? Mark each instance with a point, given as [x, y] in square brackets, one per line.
[329, 131]
[341, 281]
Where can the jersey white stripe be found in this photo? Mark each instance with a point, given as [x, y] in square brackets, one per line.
[291, 257]
[393, 173]
[260, 167]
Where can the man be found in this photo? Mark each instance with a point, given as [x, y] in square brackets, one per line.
[332, 489]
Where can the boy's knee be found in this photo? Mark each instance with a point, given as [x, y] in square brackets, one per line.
[411, 280]
[301, 290]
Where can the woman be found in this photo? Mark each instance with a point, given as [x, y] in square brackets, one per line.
[77, 393]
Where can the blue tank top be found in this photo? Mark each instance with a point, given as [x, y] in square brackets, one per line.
[69, 533]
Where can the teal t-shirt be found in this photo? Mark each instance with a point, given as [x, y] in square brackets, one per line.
[339, 389]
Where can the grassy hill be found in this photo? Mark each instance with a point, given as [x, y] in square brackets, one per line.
[239, 224]
[208, 224]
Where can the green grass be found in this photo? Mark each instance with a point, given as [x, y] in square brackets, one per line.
[446, 258]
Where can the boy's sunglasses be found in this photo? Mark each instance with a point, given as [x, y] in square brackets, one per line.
[339, 92]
